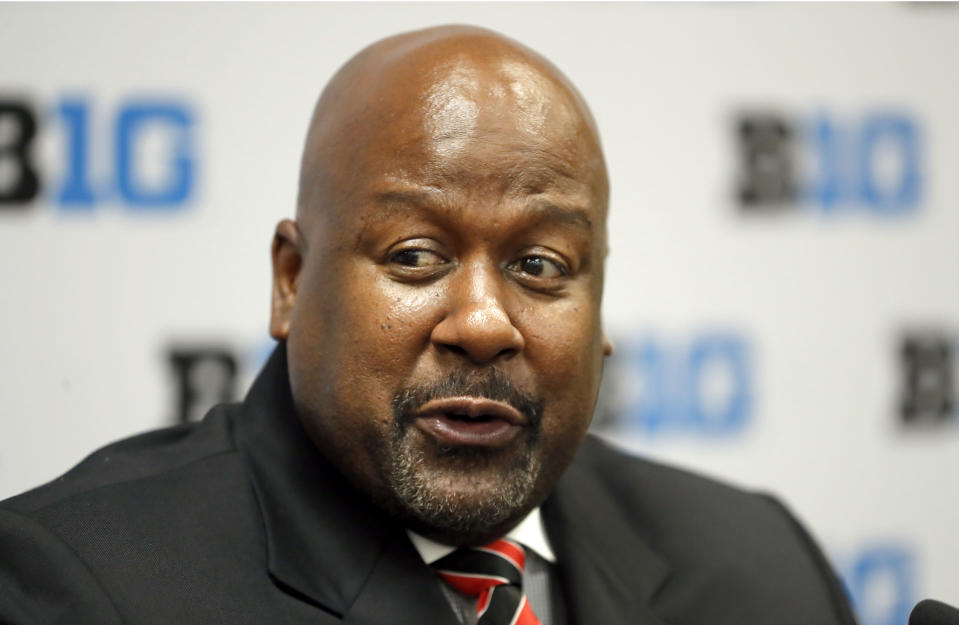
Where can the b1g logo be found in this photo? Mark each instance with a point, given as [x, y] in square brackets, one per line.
[139, 154]
[880, 578]
[927, 395]
[699, 387]
[870, 163]
[206, 373]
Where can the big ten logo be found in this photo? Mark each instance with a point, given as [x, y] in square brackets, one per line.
[881, 580]
[928, 382]
[206, 373]
[139, 154]
[702, 386]
[872, 163]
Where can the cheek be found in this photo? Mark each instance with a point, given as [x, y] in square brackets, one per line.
[564, 348]
[351, 353]
[564, 331]
[379, 332]
[566, 355]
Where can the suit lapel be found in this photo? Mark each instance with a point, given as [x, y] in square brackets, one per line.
[609, 573]
[401, 590]
[326, 544]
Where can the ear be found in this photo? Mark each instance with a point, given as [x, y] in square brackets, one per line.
[287, 252]
[607, 346]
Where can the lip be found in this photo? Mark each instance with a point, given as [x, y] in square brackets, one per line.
[472, 421]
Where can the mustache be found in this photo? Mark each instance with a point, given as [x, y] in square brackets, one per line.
[489, 384]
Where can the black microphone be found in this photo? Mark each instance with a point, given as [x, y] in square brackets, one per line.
[932, 612]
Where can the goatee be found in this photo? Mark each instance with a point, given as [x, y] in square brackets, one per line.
[466, 491]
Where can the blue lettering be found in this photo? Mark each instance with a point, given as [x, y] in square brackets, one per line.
[75, 190]
[722, 360]
[826, 189]
[881, 584]
[704, 389]
[647, 410]
[899, 135]
[131, 122]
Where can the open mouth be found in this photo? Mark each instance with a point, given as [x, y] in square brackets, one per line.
[455, 416]
[472, 421]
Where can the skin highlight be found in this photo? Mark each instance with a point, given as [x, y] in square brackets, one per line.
[440, 289]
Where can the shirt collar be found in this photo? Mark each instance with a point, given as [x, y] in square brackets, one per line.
[529, 533]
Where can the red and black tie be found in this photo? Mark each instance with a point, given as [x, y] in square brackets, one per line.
[494, 574]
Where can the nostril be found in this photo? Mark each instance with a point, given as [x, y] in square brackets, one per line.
[456, 349]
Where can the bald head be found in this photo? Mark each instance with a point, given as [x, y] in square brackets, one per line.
[436, 91]
[446, 261]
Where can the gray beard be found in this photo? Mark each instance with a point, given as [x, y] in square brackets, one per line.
[468, 491]
[472, 493]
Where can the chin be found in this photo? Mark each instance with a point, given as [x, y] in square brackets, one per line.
[462, 495]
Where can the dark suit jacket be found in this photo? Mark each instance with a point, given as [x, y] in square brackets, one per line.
[239, 520]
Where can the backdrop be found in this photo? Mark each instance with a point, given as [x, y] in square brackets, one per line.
[784, 233]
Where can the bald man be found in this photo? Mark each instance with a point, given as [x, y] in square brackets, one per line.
[415, 450]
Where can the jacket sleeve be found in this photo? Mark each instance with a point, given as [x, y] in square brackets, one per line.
[837, 591]
[43, 582]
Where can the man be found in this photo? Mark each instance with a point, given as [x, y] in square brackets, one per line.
[437, 306]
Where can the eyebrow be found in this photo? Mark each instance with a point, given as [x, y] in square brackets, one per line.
[563, 214]
[396, 197]
[394, 200]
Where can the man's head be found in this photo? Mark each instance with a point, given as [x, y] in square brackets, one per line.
[440, 289]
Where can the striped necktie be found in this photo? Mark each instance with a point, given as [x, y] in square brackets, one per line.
[494, 574]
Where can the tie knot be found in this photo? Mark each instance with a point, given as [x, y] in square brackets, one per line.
[473, 570]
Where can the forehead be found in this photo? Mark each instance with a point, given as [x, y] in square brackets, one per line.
[502, 98]
[463, 96]
[469, 117]
[498, 128]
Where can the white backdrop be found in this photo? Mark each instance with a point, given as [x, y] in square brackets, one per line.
[761, 343]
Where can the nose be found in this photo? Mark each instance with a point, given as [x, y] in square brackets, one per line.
[476, 324]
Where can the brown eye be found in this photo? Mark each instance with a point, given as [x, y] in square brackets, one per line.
[539, 267]
[416, 258]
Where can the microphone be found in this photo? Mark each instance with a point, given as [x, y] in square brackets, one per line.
[932, 612]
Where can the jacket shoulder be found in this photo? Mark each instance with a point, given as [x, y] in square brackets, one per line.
[720, 540]
[682, 499]
[139, 457]
[169, 513]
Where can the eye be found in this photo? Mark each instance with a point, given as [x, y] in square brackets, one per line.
[416, 258]
[539, 266]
